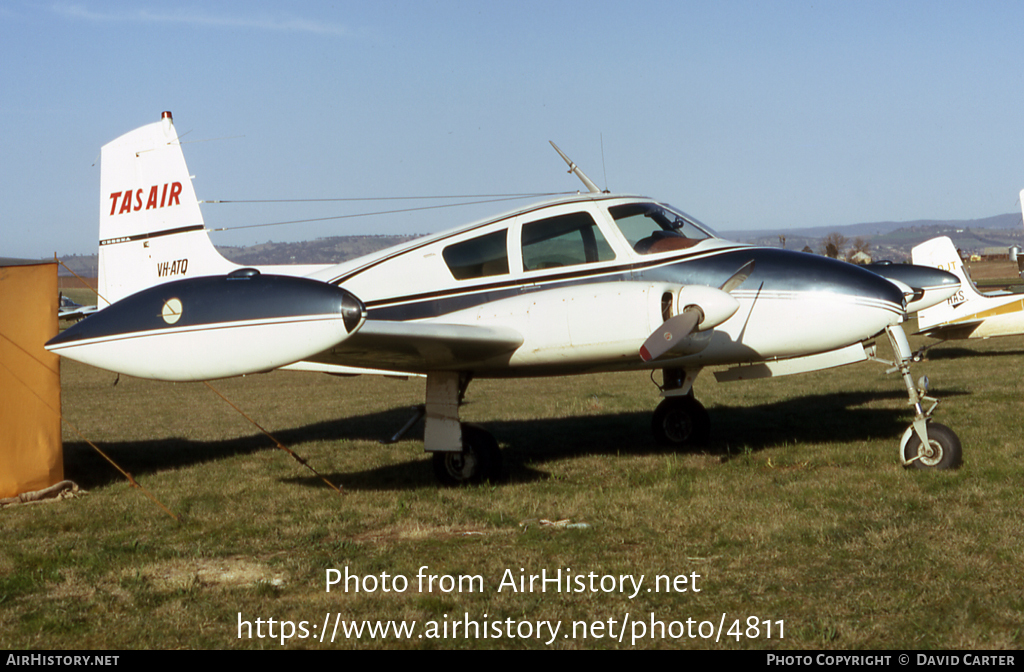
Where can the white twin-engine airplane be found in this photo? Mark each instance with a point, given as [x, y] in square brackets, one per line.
[587, 283]
[968, 313]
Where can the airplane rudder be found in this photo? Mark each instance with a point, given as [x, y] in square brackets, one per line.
[151, 228]
[939, 253]
[145, 185]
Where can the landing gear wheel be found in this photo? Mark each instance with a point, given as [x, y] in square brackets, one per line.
[681, 422]
[479, 461]
[943, 451]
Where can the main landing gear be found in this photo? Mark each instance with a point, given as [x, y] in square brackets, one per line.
[478, 461]
[680, 420]
[461, 454]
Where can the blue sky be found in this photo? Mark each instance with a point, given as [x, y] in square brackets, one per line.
[745, 114]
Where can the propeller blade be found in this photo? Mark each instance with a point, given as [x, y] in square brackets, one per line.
[738, 277]
[669, 334]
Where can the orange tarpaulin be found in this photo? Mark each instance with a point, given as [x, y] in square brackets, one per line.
[30, 434]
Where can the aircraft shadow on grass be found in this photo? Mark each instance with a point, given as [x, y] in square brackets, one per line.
[829, 417]
[968, 353]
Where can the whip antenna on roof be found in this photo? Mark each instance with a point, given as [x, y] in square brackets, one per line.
[603, 166]
[573, 168]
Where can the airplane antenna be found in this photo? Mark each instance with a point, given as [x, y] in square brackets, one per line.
[604, 167]
[573, 168]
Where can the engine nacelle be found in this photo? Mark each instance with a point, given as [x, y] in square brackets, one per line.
[598, 322]
[214, 327]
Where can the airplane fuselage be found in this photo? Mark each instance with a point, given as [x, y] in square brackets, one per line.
[985, 317]
[583, 311]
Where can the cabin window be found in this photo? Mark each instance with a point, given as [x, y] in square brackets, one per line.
[651, 228]
[566, 240]
[478, 257]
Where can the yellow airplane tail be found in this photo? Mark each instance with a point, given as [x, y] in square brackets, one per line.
[942, 254]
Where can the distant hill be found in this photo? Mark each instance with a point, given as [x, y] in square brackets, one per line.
[332, 250]
[894, 240]
[1009, 221]
[85, 265]
[886, 240]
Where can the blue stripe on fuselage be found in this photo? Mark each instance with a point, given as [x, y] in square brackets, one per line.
[774, 271]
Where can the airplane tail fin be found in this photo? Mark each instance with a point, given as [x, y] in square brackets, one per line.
[151, 229]
[942, 254]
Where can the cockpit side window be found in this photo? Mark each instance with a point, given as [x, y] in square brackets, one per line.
[478, 257]
[652, 228]
[566, 240]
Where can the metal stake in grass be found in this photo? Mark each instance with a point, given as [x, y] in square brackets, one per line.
[280, 445]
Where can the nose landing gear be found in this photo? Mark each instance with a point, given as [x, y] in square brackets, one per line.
[942, 451]
[925, 444]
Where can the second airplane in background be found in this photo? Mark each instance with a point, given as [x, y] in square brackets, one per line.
[969, 313]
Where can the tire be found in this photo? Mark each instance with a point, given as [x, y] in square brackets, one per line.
[681, 422]
[945, 449]
[479, 461]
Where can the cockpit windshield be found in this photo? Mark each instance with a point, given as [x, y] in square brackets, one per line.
[653, 227]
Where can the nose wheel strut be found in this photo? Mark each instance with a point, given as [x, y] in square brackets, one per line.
[925, 444]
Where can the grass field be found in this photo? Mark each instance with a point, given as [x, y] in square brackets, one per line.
[995, 275]
[798, 516]
[86, 297]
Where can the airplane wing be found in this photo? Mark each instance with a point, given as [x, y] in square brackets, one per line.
[77, 312]
[338, 370]
[417, 347]
[951, 331]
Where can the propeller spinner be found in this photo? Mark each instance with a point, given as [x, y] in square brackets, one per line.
[706, 308]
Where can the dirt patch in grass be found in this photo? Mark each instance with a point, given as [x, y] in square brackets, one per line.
[206, 572]
[414, 532]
